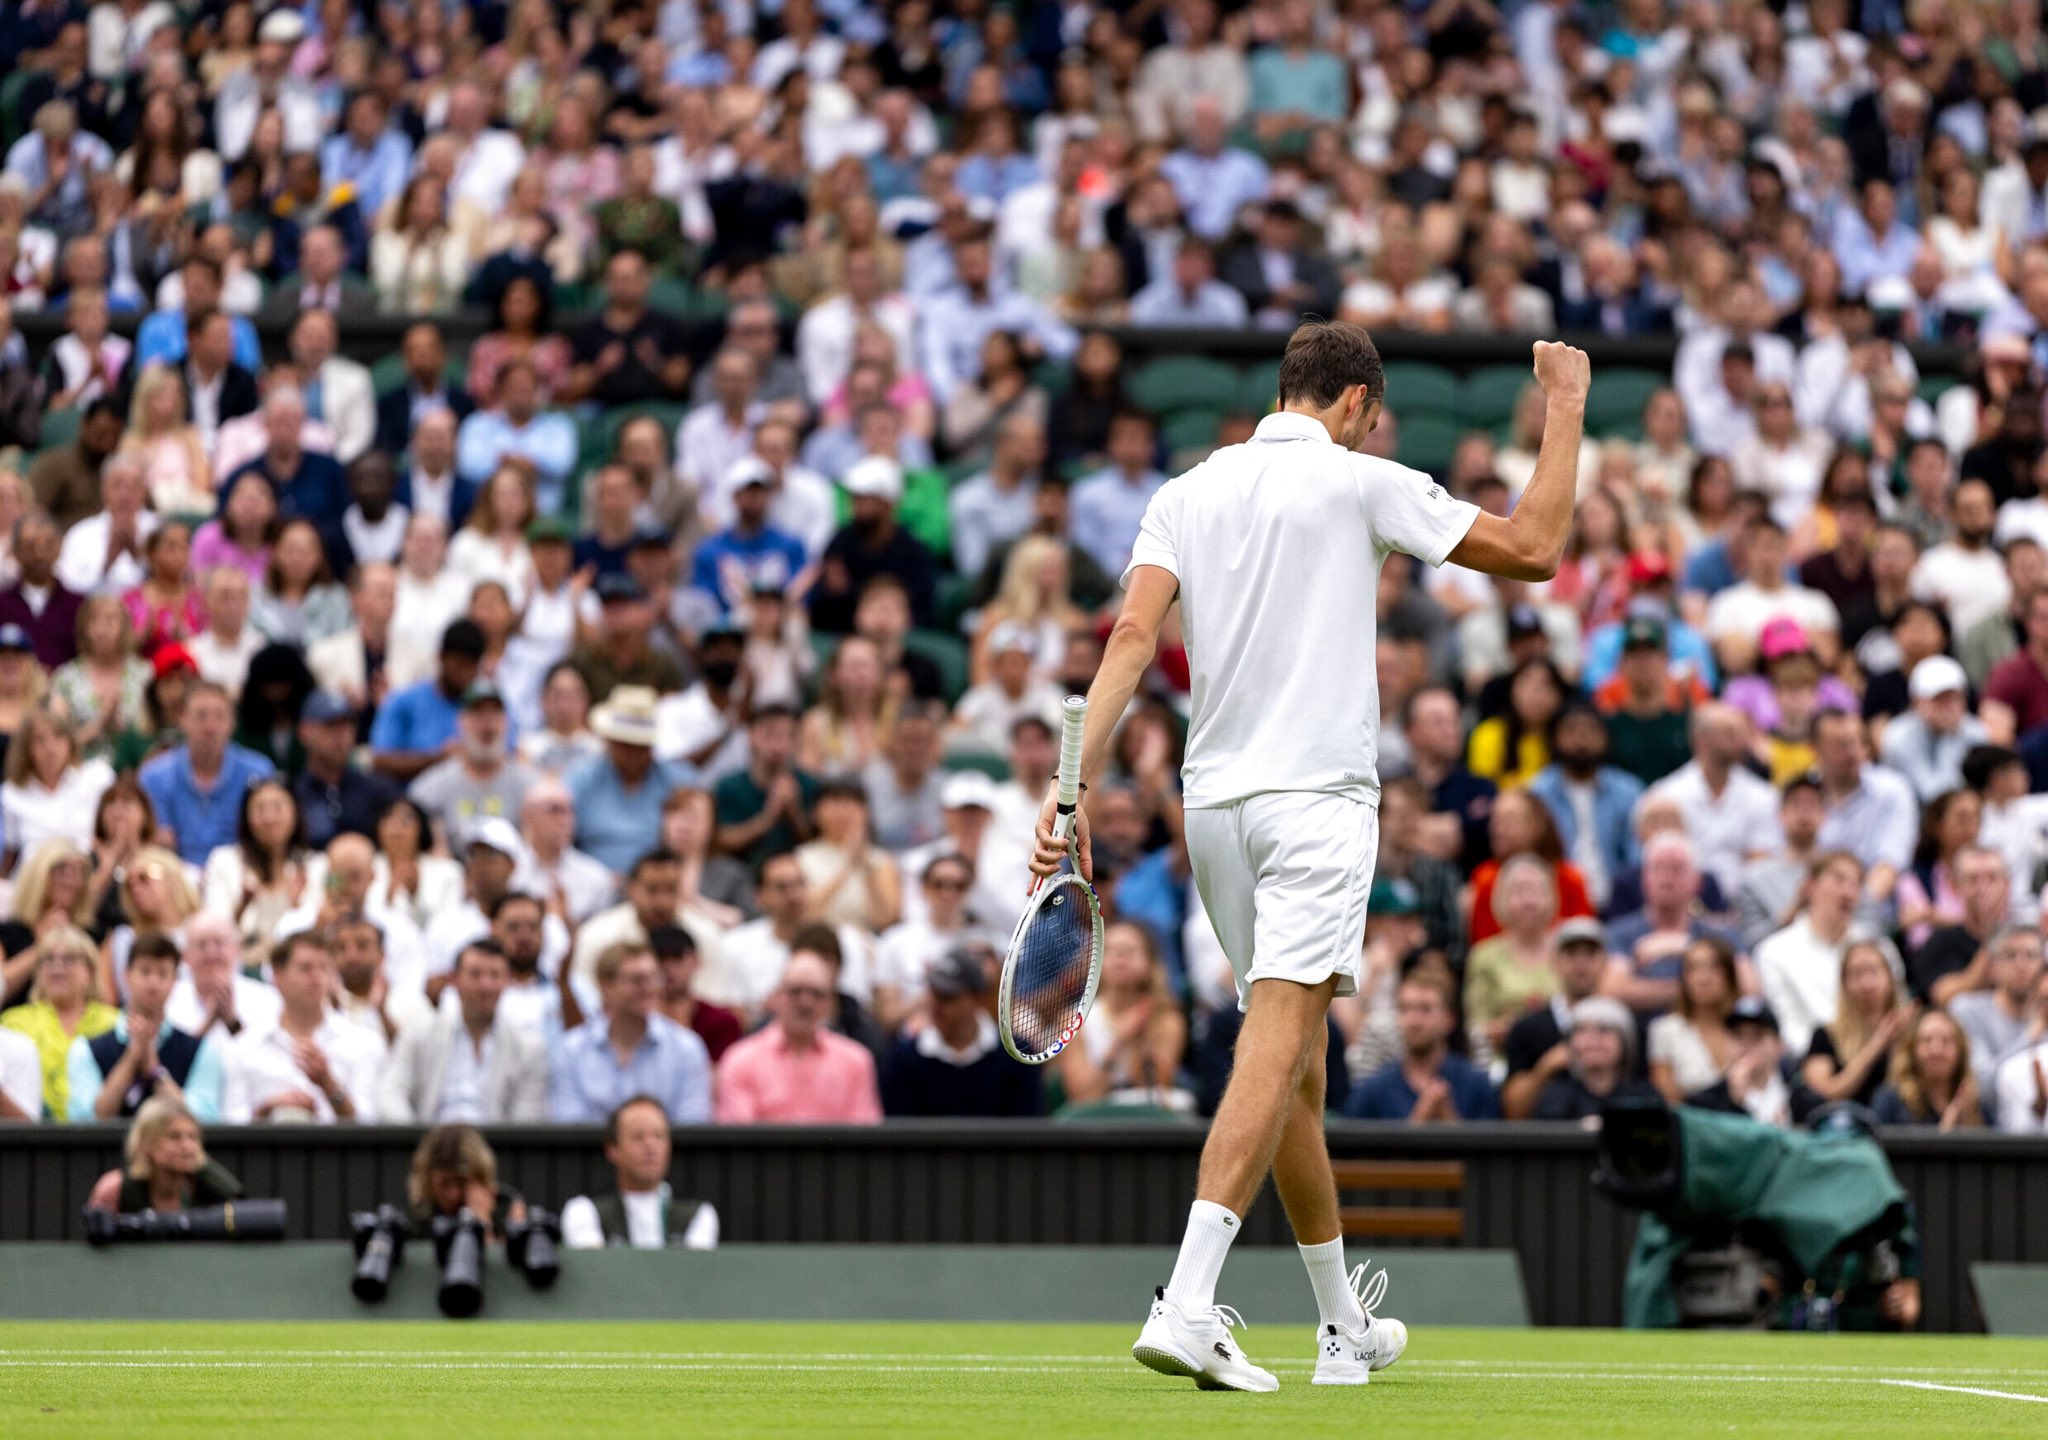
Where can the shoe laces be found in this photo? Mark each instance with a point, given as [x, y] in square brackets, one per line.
[1369, 1291]
[1222, 1315]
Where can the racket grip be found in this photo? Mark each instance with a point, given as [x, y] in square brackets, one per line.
[1073, 723]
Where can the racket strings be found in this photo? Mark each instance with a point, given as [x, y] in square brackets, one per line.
[1055, 956]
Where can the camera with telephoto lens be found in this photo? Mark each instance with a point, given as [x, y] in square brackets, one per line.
[459, 1246]
[534, 1246]
[380, 1248]
[236, 1220]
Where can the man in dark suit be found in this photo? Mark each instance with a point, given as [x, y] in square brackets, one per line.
[429, 484]
[1280, 278]
[1886, 132]
[217, 390]
[1614, 302]
[37, 602]
[425, 388]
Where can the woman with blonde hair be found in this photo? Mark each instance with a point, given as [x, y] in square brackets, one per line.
[1850, 1057]
[1139, 1037]
[63, 1004]
[854, 716]
[50, 791]
[156, 894]
[51, 889]
[1932, 1081]
[454, 1169]
[491, 545]
[104, 689]
[1033, 593]
[167, 1165]
[173, 456]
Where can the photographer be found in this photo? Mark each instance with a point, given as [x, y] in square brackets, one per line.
[453, 1170]
[167, 1165]
[642, 1213]
[113, 1075]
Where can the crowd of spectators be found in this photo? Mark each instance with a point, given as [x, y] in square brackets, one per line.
[653, 697]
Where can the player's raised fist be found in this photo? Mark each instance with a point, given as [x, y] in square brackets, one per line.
[1563, 370]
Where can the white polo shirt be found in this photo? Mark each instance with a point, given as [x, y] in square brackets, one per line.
[1277, 544]
[261, 1064]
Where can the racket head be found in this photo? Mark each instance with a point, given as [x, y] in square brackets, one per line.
[1052, 970]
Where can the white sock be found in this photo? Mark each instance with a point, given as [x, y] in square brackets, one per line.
[1211, 1228]
[1334, 1296]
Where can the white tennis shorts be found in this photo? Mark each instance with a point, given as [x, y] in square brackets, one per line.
[1284, 877]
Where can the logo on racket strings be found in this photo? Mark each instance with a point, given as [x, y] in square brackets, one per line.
[1072, 1028]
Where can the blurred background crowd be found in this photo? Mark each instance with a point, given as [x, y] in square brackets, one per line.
[567, 526]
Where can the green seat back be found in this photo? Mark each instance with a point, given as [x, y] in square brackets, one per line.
[1190, 430]
[1614, 406]
[1486, 398]
[948, 652]
[1415, 387]
[1261, 389]
[1185, 382]
[60, 427]
[1427, 442]
[987, 762]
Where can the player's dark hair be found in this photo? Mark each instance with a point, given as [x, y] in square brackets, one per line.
[1327, 357]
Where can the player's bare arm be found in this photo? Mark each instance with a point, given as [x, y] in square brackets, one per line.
[1132, 644]
[1528, 544]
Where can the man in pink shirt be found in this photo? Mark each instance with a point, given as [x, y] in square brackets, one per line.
[794, 1071]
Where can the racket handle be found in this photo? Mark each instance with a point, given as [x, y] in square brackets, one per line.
[1073, 723]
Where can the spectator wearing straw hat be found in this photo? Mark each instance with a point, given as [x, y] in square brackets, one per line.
[619, 794]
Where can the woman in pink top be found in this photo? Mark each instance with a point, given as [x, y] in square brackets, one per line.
[240, 537]
[525, 331]
[165, 608]
[180, 480]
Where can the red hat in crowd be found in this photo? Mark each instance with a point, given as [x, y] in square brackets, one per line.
[173, 657]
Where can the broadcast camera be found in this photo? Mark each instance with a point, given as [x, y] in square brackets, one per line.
[1748, 1225]
[236, 1220]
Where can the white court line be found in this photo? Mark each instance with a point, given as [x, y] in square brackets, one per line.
[1966, 1390]
[1523, 1369]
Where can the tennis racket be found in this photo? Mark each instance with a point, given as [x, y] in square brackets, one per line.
[1055, 959]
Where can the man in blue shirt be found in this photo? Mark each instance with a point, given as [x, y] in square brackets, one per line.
[367, 154]
[197, 788]
[1213, 180]
[415, 727]
[163, 336]
[1592, 802]
[588, 1079]
[1428, 1083]
[619, 794]
[750, 552]
[518, 426]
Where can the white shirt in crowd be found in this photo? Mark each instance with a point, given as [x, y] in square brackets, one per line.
[21, 1073]
[1969, 584]
[34, 814]
[750, 961]
[261, 1065]
[82, 560]
[1744, 610]
[257, 1006]
[2019, 1092]
[1250, 520]
[1726, 829]
[646, 1223]
[1802, 978]
[223, 661]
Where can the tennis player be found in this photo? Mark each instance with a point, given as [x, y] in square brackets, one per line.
[1273, 550]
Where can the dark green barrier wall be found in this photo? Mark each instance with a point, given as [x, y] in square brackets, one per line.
[1980, 1198]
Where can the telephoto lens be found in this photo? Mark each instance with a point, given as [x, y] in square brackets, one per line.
[535, 1246]
[380, 1249]
[235, 1220]
[459, 1242]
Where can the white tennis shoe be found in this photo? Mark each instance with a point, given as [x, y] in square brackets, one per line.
[1348, 1357]
[1197, 1345]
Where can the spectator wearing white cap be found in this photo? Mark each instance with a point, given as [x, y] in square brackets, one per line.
[872, 543]
[1928, 742]
[1601, 1042]
[970, 800]
[1012, 692]
[265, 83]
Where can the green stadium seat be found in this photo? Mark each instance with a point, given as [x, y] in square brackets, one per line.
[14, 124]
[1185, 382]
[951, 601]
[1614, 406]
[1261, 387]
[1933, 387]
[671, 293]
[1190, 430]
[1486, 398]
[1415, 387]
[1427, 442]
[924, 512]
[945, 650]
[60, 427]
[982, 762]
[389, 372]
[1052, 377]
